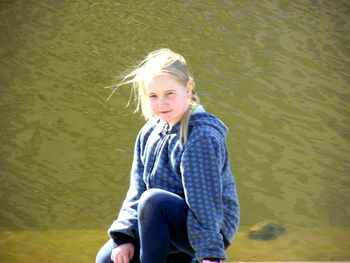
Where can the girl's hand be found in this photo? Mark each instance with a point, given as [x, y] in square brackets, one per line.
[123, 253]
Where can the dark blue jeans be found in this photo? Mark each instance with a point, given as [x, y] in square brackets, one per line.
[162, 229]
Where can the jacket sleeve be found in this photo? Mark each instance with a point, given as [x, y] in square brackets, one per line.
[126, 222]
[201, 169]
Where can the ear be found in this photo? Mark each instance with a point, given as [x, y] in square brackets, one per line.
[189, 89]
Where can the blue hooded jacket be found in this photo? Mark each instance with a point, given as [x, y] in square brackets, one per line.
[199, 172]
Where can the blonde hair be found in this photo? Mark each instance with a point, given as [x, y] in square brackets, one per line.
[159, 62]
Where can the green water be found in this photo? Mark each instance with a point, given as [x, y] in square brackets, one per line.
[276, 72]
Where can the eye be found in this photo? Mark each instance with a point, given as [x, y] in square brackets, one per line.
[170, 93]
[152, 96]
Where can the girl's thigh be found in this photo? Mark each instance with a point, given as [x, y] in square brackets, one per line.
[104, 254]
[158, 206]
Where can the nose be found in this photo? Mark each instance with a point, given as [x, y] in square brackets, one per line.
[162, 101]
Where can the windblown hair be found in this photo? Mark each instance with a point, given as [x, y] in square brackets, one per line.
[157, 63]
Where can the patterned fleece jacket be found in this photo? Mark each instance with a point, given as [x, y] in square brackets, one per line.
[199, 172]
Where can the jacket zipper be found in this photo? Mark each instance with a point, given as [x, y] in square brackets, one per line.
[163, 139]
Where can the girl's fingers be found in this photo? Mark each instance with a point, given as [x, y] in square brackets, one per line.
[116, 258]
[121, 259]
[123, 254]
[131, 253]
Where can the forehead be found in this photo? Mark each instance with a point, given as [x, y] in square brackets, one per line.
[161, 83]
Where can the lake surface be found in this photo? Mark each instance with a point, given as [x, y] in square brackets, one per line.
[276, 72]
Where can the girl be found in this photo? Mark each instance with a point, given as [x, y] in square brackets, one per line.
[181, 205]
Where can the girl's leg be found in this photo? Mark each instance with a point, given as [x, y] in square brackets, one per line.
[162, 220]
[104, 255]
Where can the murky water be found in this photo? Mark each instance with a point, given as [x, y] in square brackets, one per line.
[276, 72]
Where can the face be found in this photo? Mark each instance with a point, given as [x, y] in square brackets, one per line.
[168, 99]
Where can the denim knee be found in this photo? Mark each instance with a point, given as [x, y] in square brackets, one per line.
[150, 203]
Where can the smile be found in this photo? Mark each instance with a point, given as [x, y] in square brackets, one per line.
[164, 112]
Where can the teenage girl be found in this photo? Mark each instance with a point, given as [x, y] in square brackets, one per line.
[182, 205]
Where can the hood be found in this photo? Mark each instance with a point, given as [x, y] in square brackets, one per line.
[203, 118]
[199, 118]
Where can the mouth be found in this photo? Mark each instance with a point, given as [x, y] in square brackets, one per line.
[164, 112]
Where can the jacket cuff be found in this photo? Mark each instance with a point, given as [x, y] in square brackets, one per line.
[121, 238]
